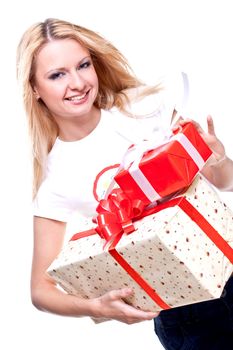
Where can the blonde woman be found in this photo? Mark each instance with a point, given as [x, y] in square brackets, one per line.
[80, 95]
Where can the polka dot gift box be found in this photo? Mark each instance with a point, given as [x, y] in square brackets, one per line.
[179, 253]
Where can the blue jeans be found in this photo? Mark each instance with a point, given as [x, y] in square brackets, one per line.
[202, 326]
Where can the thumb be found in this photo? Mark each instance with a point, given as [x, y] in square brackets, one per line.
[123, 293]
[210, 125]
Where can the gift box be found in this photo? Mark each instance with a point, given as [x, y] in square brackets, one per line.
[179, 253]
[166, 169]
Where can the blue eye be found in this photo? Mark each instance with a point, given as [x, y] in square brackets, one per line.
[84, 65]
[55, 76]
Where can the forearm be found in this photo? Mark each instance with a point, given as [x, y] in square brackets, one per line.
[109, 306]
[47, 297]
[220, 174]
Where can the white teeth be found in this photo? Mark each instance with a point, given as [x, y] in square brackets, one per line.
[76, 98]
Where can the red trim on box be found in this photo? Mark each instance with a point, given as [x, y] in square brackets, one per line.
[123, 263]
[215, 237]
[98, 176]
[138, 279]
[199, 219]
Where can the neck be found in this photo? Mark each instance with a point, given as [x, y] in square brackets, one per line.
[77, 128]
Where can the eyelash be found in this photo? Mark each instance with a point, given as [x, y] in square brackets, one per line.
[55, 76]
[85, 64]
[58, 75]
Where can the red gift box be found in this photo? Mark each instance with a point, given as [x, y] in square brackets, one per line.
[167, 168]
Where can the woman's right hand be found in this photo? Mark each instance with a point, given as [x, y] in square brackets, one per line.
[112, 306]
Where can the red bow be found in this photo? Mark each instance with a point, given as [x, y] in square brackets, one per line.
[115, 216]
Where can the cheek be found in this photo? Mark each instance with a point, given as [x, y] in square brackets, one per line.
[94, 78]
[49, 93]
[96, 82]
[96, 88]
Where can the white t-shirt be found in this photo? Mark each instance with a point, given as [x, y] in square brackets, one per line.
[79, 172]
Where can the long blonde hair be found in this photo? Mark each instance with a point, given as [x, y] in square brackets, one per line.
[114, 74]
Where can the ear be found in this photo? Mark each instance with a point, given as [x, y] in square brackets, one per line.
[36, 93]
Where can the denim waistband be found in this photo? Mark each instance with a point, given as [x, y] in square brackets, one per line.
[205, 310]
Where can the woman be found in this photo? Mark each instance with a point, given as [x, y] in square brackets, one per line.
[79, 92]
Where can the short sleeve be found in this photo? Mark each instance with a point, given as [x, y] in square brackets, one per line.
[51, 205]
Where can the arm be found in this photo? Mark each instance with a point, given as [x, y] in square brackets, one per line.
[219, 168]
[48, 241]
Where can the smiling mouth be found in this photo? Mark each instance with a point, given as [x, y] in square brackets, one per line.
[77, 97]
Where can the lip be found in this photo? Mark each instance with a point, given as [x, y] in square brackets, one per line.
[77, 101]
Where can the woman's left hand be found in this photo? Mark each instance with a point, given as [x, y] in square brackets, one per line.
[209, 137]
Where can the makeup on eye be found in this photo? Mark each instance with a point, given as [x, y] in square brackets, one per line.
[60, 72]
[56, 75]
[85, 64]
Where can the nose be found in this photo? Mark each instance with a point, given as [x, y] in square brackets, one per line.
[76, 81]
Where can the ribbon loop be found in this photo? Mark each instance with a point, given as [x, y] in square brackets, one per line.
[115, 216]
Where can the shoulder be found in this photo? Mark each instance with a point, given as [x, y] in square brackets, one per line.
[50, 204]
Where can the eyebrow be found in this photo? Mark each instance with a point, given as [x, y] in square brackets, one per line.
[64, 68]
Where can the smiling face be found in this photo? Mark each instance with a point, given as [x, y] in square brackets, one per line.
[65, 80]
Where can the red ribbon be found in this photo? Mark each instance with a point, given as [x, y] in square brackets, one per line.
[113, 226]
[115, 215]
[199, 219]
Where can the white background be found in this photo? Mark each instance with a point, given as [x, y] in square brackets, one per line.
[156, 36]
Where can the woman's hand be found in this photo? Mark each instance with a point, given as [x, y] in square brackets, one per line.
[218, 168]
[209, 137]
[112, 306]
